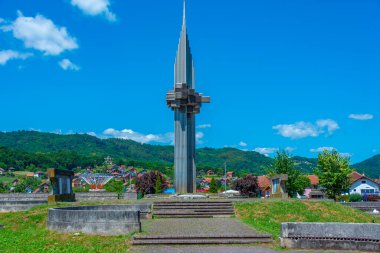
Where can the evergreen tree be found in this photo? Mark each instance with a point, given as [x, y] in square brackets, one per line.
[158, 185]
[213, 186]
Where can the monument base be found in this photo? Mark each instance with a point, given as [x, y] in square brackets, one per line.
[61, 198]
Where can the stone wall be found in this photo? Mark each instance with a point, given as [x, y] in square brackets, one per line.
[79, 196]
[104, 220]
[345, 236]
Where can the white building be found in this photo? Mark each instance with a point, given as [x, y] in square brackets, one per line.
[362, 184]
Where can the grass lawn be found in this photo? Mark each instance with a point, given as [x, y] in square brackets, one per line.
[26, 232]
[267, 216]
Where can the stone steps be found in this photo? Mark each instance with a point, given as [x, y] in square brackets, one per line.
[192, 209]
[183, 240]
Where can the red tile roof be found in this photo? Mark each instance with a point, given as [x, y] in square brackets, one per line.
[263, 182]
[314, 180]
[355, 176]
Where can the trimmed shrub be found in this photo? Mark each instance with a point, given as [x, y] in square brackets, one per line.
[356, 197]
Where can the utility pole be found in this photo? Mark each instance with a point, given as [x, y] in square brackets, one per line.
[225, 175]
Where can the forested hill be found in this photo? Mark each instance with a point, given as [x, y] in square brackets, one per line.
[370, 167]
[86, 148]
[45, 150]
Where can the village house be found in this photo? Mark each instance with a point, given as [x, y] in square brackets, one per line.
[11, 169]
[264, 186]
[42, 188]
[39, 174]
[361, 184]
[210, 173]
[2, 171]
[314, 191]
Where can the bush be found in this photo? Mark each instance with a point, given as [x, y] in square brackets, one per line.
[146, 184]
[247, 186]
[355, 197]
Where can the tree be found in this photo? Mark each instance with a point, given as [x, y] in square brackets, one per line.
[333, 170]
[213, 186]
[283, 164]
[247, 186]
[158, 186]
[30, 182]
[3, 188]
[147, 182]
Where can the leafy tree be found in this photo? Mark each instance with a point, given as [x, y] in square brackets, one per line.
[30, 182]
[247, 186]
[147, 182]
[3, 187]
[333, 170]
[284, 164]
[114, 186]
[213, 186]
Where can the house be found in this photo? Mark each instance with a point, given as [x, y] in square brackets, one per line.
[264, 186]
[361, 184]
[39, 174]
[314, 191]
[2, 171]
[230, 174]
[29, 175]
[42, 188]
[210, 173]
[11, 169]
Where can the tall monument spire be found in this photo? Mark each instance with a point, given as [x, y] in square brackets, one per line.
[185, 103]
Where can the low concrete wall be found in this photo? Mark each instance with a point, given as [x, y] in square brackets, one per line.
[345, 236]
[19, 205]
[79, 196]
[364, 206]
[104, 220]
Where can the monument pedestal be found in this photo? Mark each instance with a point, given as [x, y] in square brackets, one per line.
[61, 181]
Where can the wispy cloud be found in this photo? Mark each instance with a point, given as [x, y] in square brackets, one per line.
[95, 7]
[41, 33]
[66, 64]
[361, 116]
[204, 126]
[269, 151]
[321, 149]
[266, 151]
[243, 144]
[7, 55]
[129, 134]
[303, 129]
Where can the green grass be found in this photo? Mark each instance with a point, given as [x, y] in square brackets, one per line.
[26, 232]
[267, 216]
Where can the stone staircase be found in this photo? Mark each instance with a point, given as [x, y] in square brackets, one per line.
[193, 209]
[193, 239]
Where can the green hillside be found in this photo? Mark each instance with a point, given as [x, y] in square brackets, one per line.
[45, 150]
[371, 167]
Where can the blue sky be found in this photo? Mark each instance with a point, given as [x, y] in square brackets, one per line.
[302, 75]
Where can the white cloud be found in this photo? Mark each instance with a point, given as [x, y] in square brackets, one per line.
[204, 126]
[303, 129]
[346, 154]
[41, 34]
[361, 116]
[129, 134]
[290, 149]
[321, 149]
[266, 151]
[198, 137]
[66, 64]
[243, 144]
[7, 55]
[92, 133]
[95, 7]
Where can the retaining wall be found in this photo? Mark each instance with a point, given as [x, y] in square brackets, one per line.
[104, 220]
[364, 206]
[345, 236]
[19, 205]
[79, 196]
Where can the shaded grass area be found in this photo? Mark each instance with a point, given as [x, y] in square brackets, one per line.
[267, 216]
[26, 232]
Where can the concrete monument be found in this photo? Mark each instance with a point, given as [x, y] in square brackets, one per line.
[185, 103]
[61, 181]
